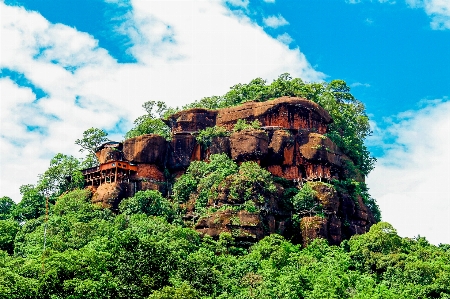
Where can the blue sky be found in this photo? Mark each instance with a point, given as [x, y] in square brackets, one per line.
[70, 65]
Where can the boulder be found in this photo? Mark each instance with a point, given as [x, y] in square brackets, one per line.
[243, 225]
[181, 151]
[249, 144]
[281, 148]
[312, 228]
[150, 148]
[109, 154]
[318, 148]
[109, 195]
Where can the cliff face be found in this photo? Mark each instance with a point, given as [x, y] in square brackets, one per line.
[290, 145]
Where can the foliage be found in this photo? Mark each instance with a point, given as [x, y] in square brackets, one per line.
[92, 139]
[358, 189]
[304, 202]
[32, 204]
[149, 202]
[7, 206]
[151, 123]
[92, 253]
[242, 124]
[62, 175]
[205, 181]
[205, 136]
[350, 124]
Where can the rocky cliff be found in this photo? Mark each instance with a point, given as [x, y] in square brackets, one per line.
[290, 144]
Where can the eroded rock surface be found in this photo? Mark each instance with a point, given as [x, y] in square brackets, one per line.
[290, 144]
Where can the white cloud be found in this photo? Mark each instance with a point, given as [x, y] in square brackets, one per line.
[185, 50]
[269, 1]
[285, 38]
[439, 11]
[275, 21]
[411, 181]
[359, 84]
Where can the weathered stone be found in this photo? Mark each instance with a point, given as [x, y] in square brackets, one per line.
[285, 112]
[108, 195]
[313, 228]
[191, 120]
[281, 148]
[249, 144]
[244, 226]
[318, 148]
[148, 148]
[109, 154]
[327, 197]
[181, 151]
[220, 145]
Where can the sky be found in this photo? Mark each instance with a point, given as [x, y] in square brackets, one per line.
[66, 66]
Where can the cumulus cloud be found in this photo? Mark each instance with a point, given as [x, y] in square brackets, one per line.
[275, 21]
[410, 181]
[285, 38]
[269, 1]
[437, 10]
[185, 50]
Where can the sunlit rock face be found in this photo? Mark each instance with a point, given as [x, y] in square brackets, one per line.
[290, 144]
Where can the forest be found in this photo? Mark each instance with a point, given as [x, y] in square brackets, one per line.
[55, 243]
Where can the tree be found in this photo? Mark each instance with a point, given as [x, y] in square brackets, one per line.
[92, 139]
[7, 206]
[151, 122]
[32, 204]
[62, 175]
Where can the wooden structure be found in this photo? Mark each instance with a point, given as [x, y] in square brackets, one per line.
[109, 172]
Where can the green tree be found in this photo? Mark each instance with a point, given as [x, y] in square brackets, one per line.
[151, 123]
[7, 206]
[8, 231]
[32, 204]
[62, 175]
[92, 139]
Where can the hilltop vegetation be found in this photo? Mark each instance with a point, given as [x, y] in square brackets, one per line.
[147, 249]
[144, 253]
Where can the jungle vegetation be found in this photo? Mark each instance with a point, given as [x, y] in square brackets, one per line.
[147, 251]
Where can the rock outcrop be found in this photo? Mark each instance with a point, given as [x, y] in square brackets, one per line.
[290, 144]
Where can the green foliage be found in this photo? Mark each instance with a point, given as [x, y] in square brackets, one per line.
[92, 139]
[358, 189]
[32, 204]
[62, 175]
[8, 231]
[203, 182]
[350, 124]
[149, 202]
[304, 202]
[7, 206]
[151, 122]
[92, 253]
[242, 124]
[205, 136]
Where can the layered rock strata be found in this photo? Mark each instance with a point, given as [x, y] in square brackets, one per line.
[290, 144]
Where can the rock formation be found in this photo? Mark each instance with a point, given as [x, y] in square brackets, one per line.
[290, 144]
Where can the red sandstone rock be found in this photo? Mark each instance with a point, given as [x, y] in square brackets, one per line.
[108, 195]
[148, 148]
[149, 171]
[327, 197]
[313, 228]
[286, 112]
[109, 154]
[249, 145]
[319, 148]
[191, 120]
[181, 151]
[244, 226]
